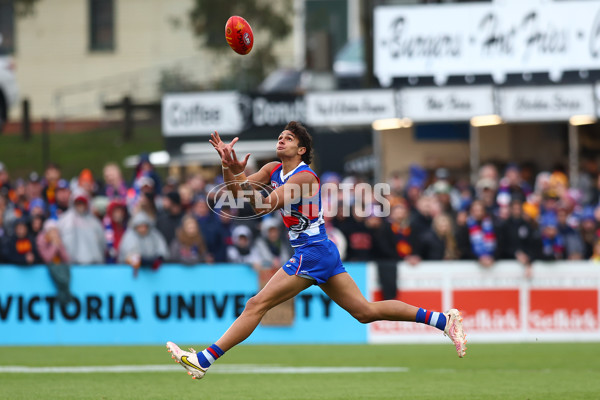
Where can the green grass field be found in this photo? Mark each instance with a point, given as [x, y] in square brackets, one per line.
[502, 371]
[75, 151]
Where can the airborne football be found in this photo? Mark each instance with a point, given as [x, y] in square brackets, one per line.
[238, 34]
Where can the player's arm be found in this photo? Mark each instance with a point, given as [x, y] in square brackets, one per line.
[261, 177]
[303, 184]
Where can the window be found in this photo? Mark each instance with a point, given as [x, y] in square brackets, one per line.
[7, 27]
[102, 25]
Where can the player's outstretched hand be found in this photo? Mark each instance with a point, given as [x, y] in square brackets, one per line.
[220, 145]
[238, 166]
[227, 154]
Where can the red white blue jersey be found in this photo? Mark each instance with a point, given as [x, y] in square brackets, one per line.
[304, 217]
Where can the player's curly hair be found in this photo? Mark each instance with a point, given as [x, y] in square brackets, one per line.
[304, 139]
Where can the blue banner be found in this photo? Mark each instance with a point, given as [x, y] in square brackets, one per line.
[179, 303]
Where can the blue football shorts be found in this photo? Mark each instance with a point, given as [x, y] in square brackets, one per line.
[318, 261]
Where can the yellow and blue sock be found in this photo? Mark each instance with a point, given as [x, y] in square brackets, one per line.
[209, 355]
[432, 318]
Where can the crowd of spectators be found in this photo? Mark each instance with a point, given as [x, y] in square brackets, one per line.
[511, 213]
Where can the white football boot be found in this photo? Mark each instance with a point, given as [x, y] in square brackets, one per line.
[187, 360]
[454, 330]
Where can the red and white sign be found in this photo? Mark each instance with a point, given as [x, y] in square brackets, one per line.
[572, 310]
[560, 302]
[489, 310]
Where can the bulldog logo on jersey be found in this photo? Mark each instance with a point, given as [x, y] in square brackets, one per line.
[302, 224]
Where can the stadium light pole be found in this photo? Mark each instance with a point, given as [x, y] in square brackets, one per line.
[574, 123]
[474, 140]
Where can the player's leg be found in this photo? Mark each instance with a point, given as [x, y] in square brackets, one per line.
[342, 289]
[281, 287]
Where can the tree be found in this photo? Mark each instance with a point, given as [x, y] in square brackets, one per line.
[269, 21]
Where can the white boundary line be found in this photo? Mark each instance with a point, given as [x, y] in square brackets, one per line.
[217, 369]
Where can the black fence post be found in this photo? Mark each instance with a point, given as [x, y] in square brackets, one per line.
[127, 119]
[25, 120]
[45, 143]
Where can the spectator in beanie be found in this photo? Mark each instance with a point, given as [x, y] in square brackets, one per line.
[438, 243]
[415, 185]
[34, 186]
[62, 199]
[145, 201]
[146, 169]
[115, 224]
[414, 191]
[37, 207]
[188, 244]
[273, 250]
[476, 239]
[100, 206]
[52, 176]
[50, 245]
[512, 186]
[242, 251]
[21, 248]
[518, 239]
[486, 193]
[114, 184]
[553, 244]
[573, 241]
[169, 218]
[142, 244]
[81, 232]
[443, 193]
[404, 236]
[86, 181]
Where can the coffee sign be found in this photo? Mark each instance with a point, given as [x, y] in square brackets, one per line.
[486, 38]
[189, 114]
